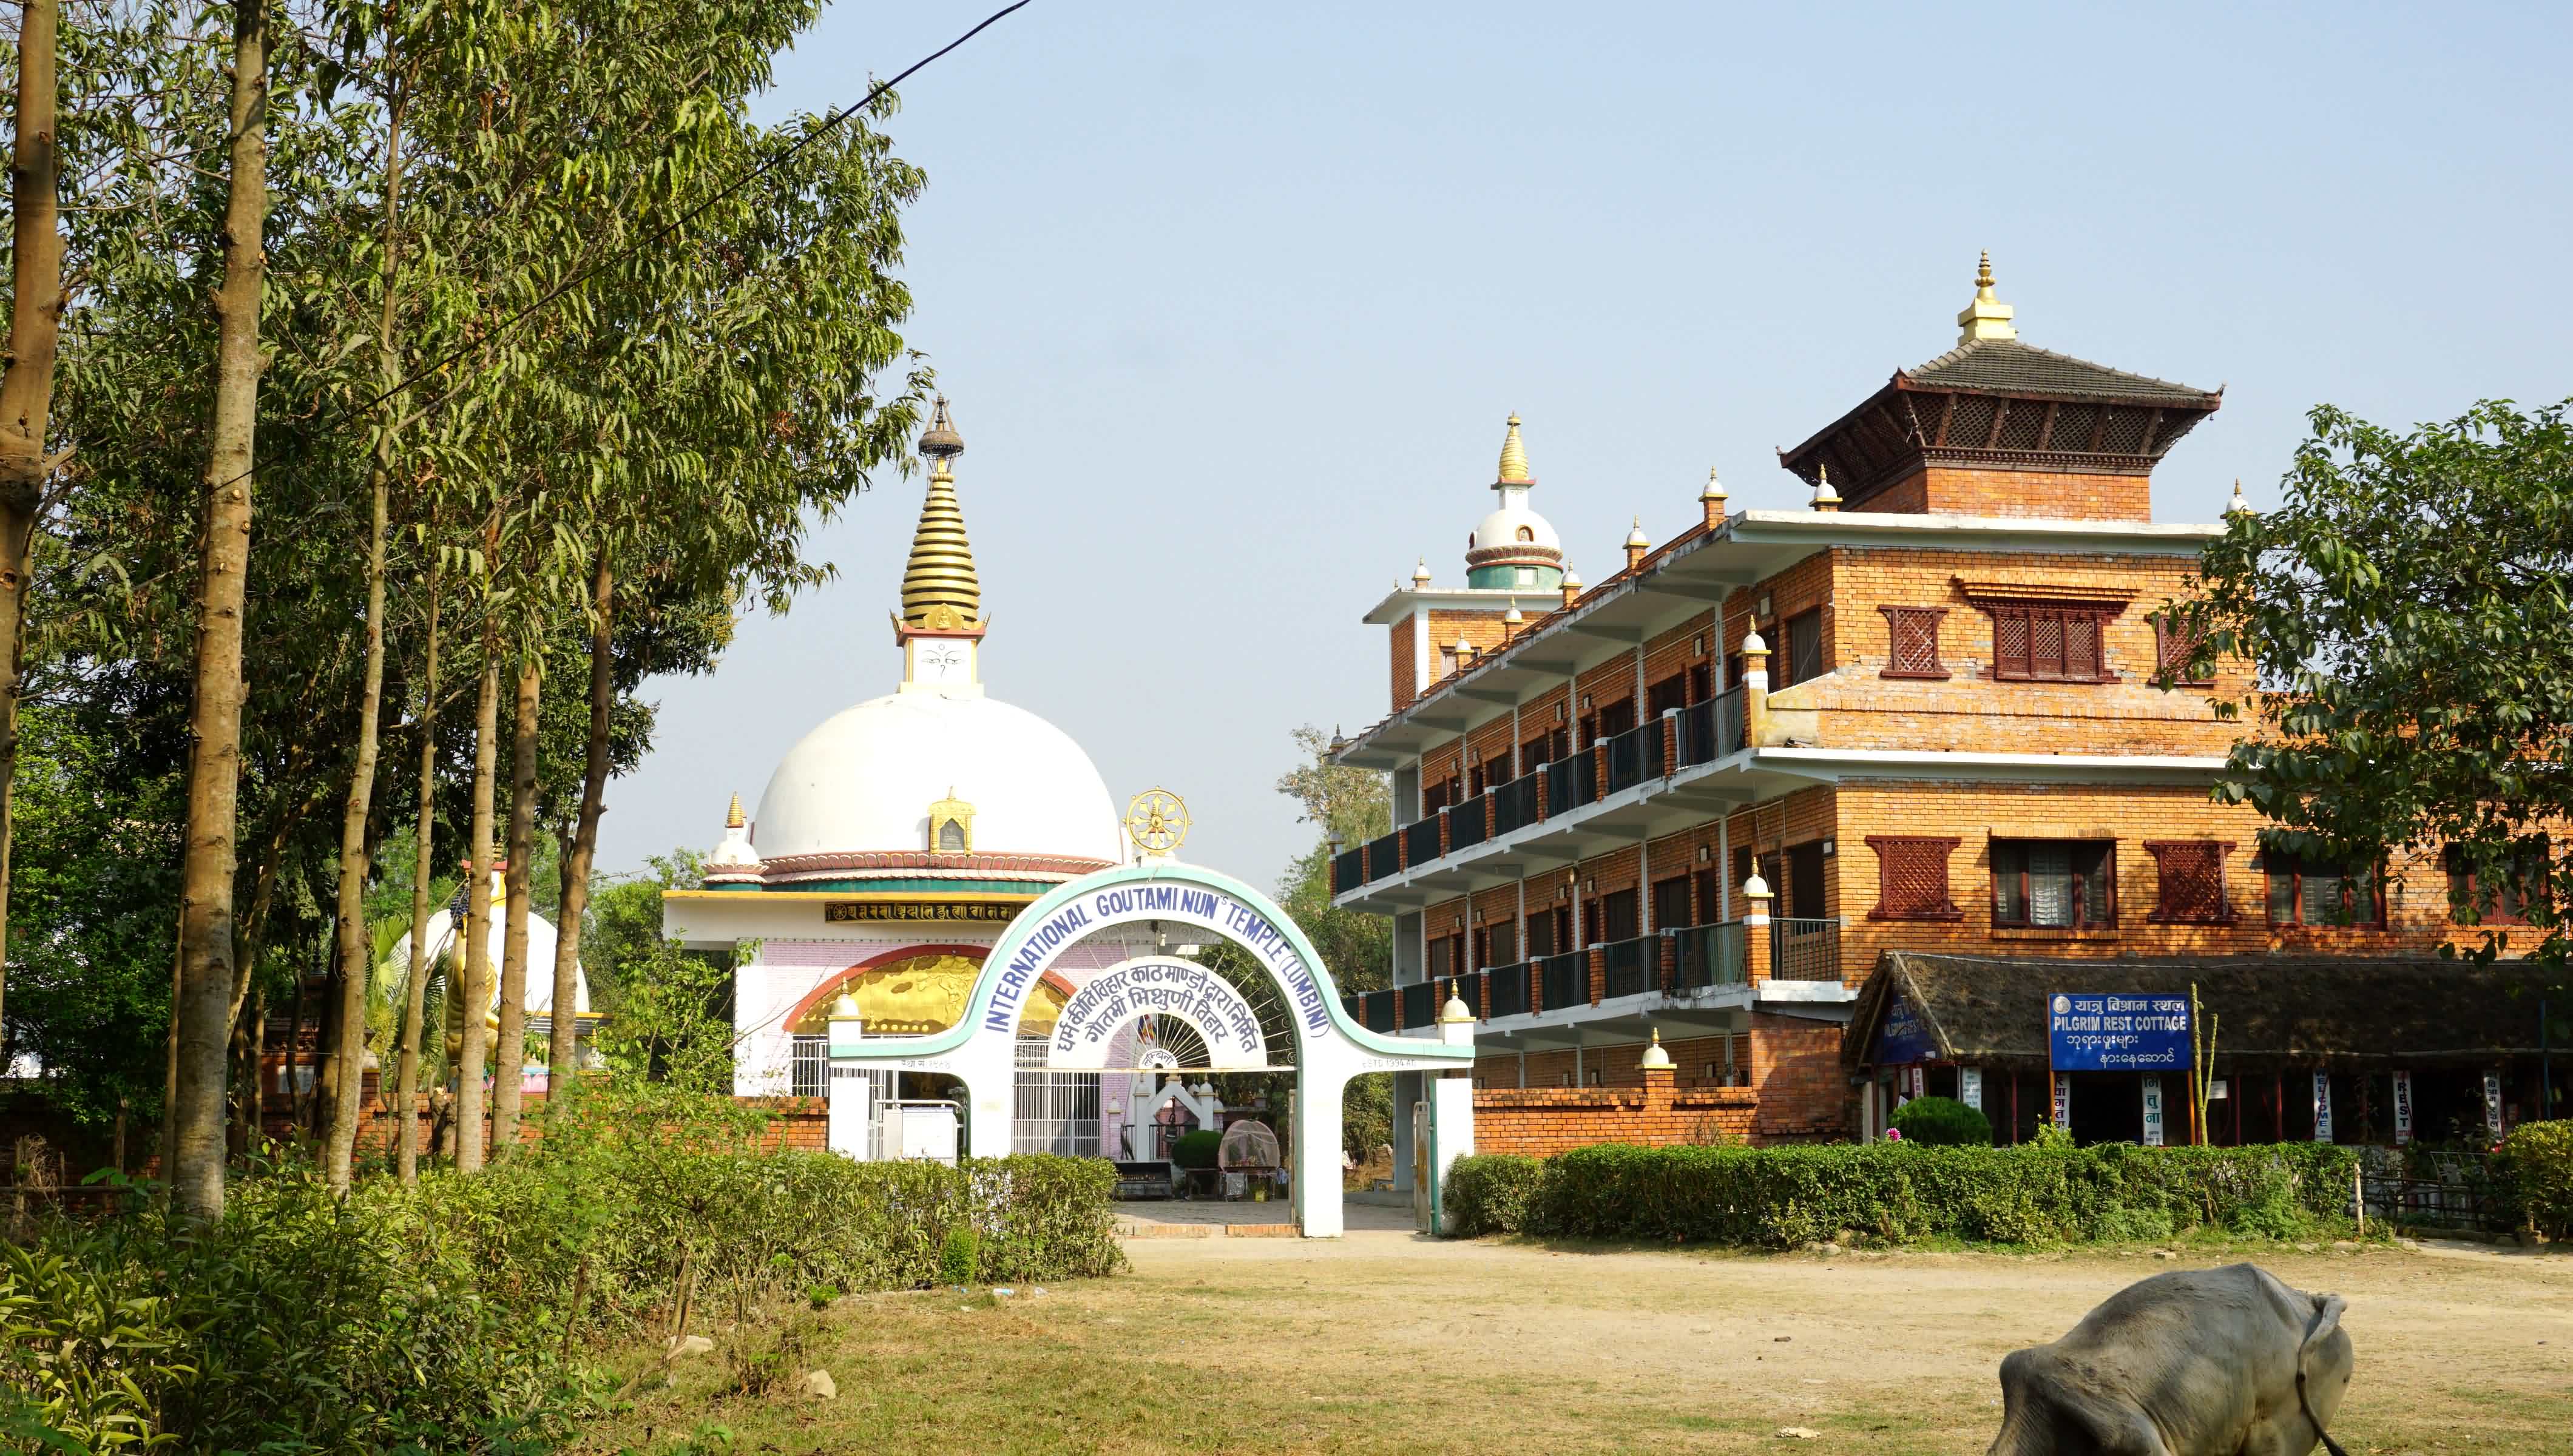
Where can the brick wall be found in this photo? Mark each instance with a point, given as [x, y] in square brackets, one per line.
[1406, 666]
[2054, 494]
[1540, 1123]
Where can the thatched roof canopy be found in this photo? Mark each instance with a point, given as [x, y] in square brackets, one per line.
[2271, 1010]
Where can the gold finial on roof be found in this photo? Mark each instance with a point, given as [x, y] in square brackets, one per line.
[1515, 466]
[1986, 316]
[940, 591]
[733, 816]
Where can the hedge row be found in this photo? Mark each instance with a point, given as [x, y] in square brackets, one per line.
[2538, 1159]
[468, 1312]
[1784, 1197]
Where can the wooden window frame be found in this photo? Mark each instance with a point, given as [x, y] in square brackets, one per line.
[1888, 847]
[2166, 643]
[2459, 871]
[1936, 671]
[1783, 660]
[2082, 920]
[2161, 913]
[2293, 869]
[2063, 613]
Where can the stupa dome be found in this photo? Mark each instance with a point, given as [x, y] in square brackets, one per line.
[864, 783]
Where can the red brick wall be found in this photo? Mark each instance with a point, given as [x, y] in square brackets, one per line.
[1540, 1123]
[2053, 494]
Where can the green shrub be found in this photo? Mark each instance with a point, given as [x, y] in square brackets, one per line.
[1943, 1123]
[461, 1312]
[1197, 1150]
[1490, 1192]
[1784, 1197]
[956, 1257]
[2538, 1157]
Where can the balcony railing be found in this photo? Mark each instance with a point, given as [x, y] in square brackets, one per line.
[1708, 955]
[1570, 783]
[1378, 1013]
[1564, 979]
[1514, 804]
[1419, 1005]
[1384, 856]
[1804, 950]
[1349, 871]
[1712, 729]
[1469, 822]
[1421, 840]
[1506, 987]
[1635, 755]
[1633, 965]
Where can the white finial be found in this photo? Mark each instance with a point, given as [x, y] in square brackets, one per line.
[1756, 888]
[1420, 576]
[1513, 617]
[1636, 538]
[1572, 580]
[1824, 497]
[1753, 643]
[1714, 487]
[1986, 316]
[1655, 1059]
[2237, 505]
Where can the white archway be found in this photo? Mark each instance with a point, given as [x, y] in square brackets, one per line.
[1158, 986]
[1330, 1048]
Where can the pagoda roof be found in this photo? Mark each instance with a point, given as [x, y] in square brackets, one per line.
[2008, 367]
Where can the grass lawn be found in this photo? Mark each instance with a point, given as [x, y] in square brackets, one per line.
[1383, 1342]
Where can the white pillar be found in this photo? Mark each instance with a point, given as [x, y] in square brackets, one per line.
[1451, 1108]
[1315, 1160]
[847, 1087]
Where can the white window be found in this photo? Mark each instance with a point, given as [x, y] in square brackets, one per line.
[1527, 576]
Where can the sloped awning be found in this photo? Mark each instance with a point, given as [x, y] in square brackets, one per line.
[2269, 1010]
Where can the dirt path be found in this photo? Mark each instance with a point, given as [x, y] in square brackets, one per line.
[1384, 1343]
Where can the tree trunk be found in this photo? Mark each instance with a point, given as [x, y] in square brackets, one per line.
[214, 758]
[415, 998]
[564, 1060]
[524, 728]
[474, 1000]
[349, 1051]
[27, 389]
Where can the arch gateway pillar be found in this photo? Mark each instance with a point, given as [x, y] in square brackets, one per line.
[1330, 1048]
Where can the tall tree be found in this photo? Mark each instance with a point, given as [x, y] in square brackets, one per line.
[2408, 609]
[423, 871]
[520, 855]
[214, 769]
[36, 301]
[472, 996]
[563, 1057]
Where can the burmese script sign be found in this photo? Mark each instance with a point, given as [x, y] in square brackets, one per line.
[1161, 986]
[2118, 1033]
[858, 911]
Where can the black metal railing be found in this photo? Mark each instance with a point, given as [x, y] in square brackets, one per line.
[1354, 1003]
[1635, 755]
[1633, 966]
[1468, 988]
[1514, 804]
[1708, 955]
[1469, 822]
[1507, 988]
[1383, 856]
[1570, 783]
[1804, 950]
[1378, 1015]
[1697, 733]
[1564, 979]
[1349, 871]
[1729, 735]
[1421, 840]
[1419, 1005]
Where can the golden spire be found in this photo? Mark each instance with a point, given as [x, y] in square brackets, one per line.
[940, 591]
[733, 816]
[1986, 316]
[1514, 467]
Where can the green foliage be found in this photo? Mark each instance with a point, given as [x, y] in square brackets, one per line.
[2538, 1156]
[1197, 1150]
[1490, 1192]
[2409, 616]
[959, 1256]
[1784, 1197]
[462, 1313]
[1943, 1123]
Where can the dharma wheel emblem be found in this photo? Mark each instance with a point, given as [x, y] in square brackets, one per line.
[1156, 821]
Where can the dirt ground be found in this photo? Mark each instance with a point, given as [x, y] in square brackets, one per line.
[1383, 1342]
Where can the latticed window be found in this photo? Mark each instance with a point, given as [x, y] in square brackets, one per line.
[2192, 874]
[1912, 637]
[1912, 877]
[2048, 644]
[2175, 641]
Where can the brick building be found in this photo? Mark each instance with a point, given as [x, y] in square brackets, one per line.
[1699, 798]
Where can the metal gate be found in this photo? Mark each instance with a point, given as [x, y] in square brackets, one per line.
[1058, 1111]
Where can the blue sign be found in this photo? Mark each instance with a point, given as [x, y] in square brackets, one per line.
[1905, 1037]
[2118, 1033]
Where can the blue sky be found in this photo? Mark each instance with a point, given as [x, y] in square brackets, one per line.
[1232, 302]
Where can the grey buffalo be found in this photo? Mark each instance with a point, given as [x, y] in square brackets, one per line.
[2212, 1362]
